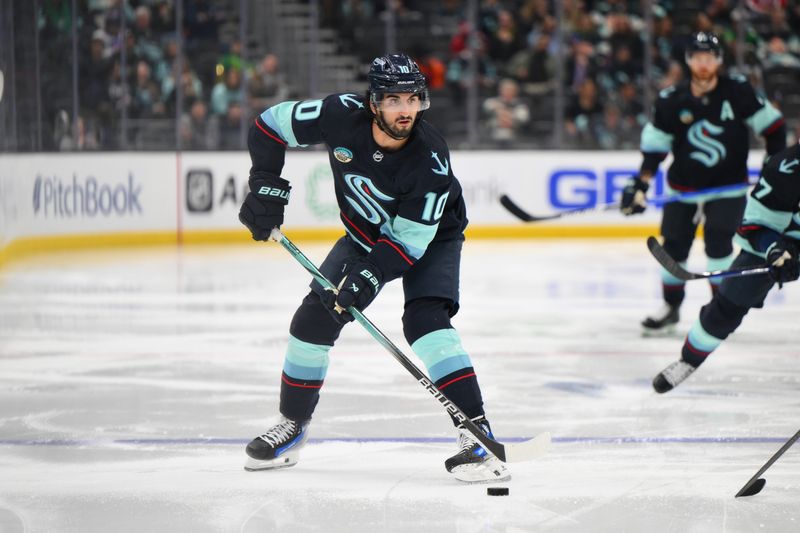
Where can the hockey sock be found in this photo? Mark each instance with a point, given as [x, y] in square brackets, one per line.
[304, 370]
[674, 294]
[461, 388]
[718, 319]
[720, 263]
[672, 288]
[698, 345]
[450, 368]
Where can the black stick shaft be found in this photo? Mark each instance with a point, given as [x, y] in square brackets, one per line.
[769, 464]
[496, 448]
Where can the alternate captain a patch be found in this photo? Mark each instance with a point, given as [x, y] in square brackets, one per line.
[343, 155]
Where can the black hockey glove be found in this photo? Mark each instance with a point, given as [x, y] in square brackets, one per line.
[783, 262]
[263, 206]
[634, 200]
[357, 289]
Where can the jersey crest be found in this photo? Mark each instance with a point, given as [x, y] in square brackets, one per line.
[709, 151]
[364, 202]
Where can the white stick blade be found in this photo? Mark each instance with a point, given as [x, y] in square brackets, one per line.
[528, 450]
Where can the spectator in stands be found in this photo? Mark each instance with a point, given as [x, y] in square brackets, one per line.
[632, 111]
[622, 67]
[777, 56]
[146, 97]
[231, 127]
[613, 133]
[673, 75]
[623, 35]
[719, 12]
[431, 67]
[227, 92]
[199, 131]
[581, 65]
[459, 77]
[231, 59]
[506, 115]
[267, 85]
[531, 14]
[163, 18]
[504, 40]
[583, 115]
[190, 84]
[147, 44]
[533, 66]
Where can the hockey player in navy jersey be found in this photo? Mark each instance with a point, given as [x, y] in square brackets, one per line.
[703, 122]
[404, 217]
[769, 232]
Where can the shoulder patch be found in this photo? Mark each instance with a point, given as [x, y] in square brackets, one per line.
[738, 78]
[350, 99]
[664, 93]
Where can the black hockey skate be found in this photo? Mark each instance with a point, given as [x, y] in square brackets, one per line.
[672, 376]
[662, 322]
[472, 463]
[278, 447]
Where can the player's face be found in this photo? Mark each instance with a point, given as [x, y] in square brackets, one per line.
[398, 111]
[704, 65]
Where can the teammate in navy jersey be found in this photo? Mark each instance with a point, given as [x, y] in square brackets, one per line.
[404, 217]
[770, 231]
[703, 122]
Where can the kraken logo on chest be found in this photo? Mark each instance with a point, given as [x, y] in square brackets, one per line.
[709, 150]
[366, 198]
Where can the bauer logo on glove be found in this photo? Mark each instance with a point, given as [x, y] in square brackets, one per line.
[273, 191]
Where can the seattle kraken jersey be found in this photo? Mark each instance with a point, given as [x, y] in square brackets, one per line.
[707, 136]
[404, 199]
[773, 207]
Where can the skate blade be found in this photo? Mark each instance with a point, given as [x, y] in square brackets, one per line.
[489, 471]
[284, 461]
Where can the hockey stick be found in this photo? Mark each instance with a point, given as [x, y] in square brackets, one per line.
[757, 483]
[674, 268]
[523, 215]
[508, 453]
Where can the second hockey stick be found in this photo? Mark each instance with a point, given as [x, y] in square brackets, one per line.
[675, 268]
[508, 453]
[525, 216]
[756, 482]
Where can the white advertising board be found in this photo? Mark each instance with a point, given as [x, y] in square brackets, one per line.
[541, 182]
[88, 194]
[58, 194]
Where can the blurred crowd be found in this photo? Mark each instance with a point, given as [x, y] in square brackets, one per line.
[129, 66]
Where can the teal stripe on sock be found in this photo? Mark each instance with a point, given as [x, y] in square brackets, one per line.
[721, 263]
[305, 360]
[701, 339]
[442, 353]
[448, 366]
[669, 279]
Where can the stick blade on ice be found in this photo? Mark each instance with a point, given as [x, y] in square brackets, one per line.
[752, 489]
[529, 449]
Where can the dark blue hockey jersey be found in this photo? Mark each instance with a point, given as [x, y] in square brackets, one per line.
[393, 204]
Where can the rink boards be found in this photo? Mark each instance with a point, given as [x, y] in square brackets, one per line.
[57, 201]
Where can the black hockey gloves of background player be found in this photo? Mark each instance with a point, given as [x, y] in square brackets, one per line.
[357, 289]
[784, 264]
[634, 200]
[263, 206]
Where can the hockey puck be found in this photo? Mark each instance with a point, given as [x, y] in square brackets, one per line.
[497, 491]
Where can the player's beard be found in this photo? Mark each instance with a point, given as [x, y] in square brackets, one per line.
[395, 132]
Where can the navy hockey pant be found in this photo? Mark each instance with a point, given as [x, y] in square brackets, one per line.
[678, 227]
[431, 299]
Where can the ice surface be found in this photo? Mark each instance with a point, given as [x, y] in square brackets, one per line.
[131, 381]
